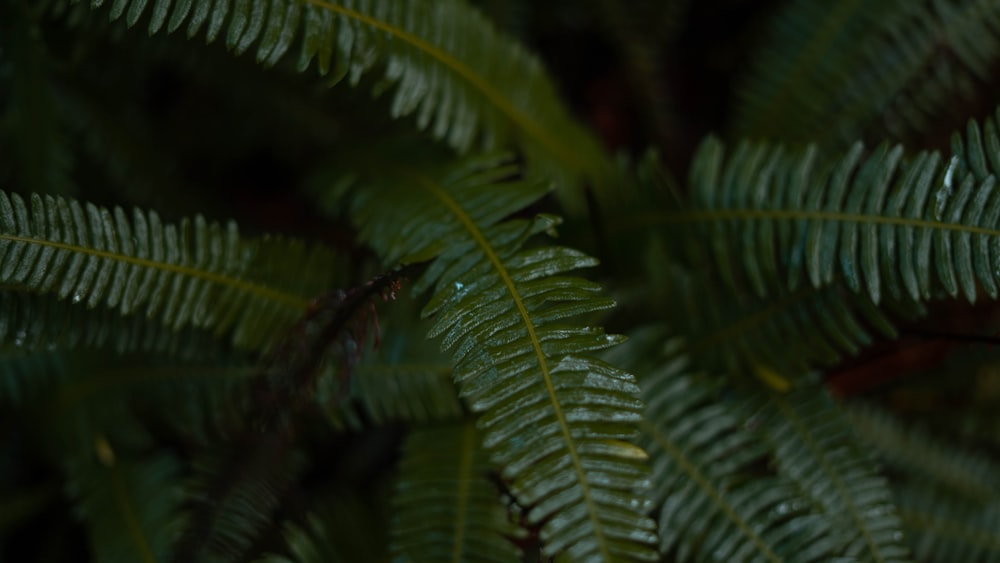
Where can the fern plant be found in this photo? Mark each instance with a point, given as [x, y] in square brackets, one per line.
[311, 280]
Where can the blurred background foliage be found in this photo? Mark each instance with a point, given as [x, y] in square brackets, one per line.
[92, 110]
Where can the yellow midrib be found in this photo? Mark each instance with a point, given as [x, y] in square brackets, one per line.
[464, 482]
[468, 74]
[536, 344]
[838, 483]
[285, 299]
[692, 471]
[131, 522]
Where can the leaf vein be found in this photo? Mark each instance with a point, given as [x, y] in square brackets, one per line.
[536, 344]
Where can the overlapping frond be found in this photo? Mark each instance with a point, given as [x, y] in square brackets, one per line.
[234, 495]
[558, 422]
[881, 224]
[197, 402]
[808, 44]
[716, 500]
[978, 152]
[885, 68]
[401, 380]
[446, 507]
[917, 452]
[193, 274]
[815, 447]
[34, 322]
[455, 74]
[787, 333]
[384, 392]
[132, 508]
[944, 527]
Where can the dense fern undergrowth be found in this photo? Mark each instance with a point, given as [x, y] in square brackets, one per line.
[413, 280]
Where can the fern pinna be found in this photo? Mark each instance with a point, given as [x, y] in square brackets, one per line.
[442, 80]
[192, 274]
[500, 309]
[913, 226]
[416, 369]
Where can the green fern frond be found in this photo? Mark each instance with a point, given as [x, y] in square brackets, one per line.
[889, 68]
[446, 508]
[807, 45]
[116, 398]
[978, 153]
[36, 322]
[955, 401]
[917, 452]
[133, 508]
[715, 501]
[399, 379]
[393, 385]
[196, 274]
[789, 333]
[881, 224]
[235, 492]
[453, 71]
[417, 392]
[556, 421]
[948, 528]
[383, 392]
[815, 447]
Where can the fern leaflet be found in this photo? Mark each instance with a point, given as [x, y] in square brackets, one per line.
[890, 68]
[445, 468]
[790, 332]
[455, 73]
[401, 379]
[195, 274]
[914, 451]
[814, 447]
[556, 421]
[712, 502]
[946, 527]
[880, 224]
[133, 508]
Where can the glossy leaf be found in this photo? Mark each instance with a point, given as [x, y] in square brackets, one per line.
[880, 224]
[558, 422]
